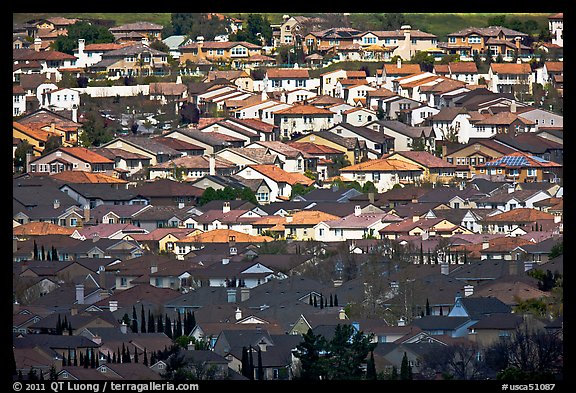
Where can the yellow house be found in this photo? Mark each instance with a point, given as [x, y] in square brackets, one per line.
[36, 137]
[434, 168]
[354, 150]
[234, 53]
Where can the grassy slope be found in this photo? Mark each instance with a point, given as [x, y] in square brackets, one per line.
[436, 23]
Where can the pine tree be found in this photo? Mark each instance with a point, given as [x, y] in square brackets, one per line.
[145, 361]
[92, 358]
[168, 326]
[108, 358]
[321, 301]
[427, 307]
[128, 357]
[118, 357]
[315, 302]
[36, 255]
[310, 299]
[331, 301]
[86, 360]
[192, 321]
[335, 300]
[135, 355]
[178, 329]
[114, 357]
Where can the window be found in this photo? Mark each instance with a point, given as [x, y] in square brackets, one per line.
[123, 281]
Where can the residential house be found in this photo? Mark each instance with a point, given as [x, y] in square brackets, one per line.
[324, 156]
[148, 30]
[88, 55]
[485, 41]
[147, 147]
[71, 159]
[255, 155]
[197, 241]
[134, 60]
[510, 199]
[358, 116]
[302, 119]
[234, 128]
[384, 173]
[425, 227]
[60, 123]
[190, 168]
[556, 28]
[354, 149]
[262, 110]
[232, 53]
[518, 167]
[435, 170]
[478, 150]
[37, 138]
[390, 72]
[377, 143]
[526, 219]
[465, 71]
[514, 78]
[301, 225]
[240, 78]
[354, 226]
[278, 179]
[93, 195]
[329, 80]
[291, 158]
[404, 41]
[531, 143]
[405, 136]
[543, 119]
[211, 142]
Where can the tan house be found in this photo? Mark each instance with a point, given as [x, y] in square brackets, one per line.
[435, 170]
[233, 53]
[518, 167]
[300, 225]
[133, 60]
[493, 40]
[71, 159]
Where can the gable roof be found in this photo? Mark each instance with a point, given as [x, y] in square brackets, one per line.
[279, 175]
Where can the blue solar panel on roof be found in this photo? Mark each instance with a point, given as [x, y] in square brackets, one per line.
[539, 159]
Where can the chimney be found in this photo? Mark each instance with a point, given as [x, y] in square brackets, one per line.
[124, 328]
[86, 213]
[414, 199]
[557, 218]
[113, 305]
[75, 113]
[212, 165]
[444, 268]
[371, 197]
[518, 42]
[74, 310]
[145, 41]
[81, 46]
[80, 293]
[511, 189]
[357, 210]
[341, 314]
[399, 62]
[226, 207]
[56, 203]
[28, 159]
[289, 219]
[528, 265]
[468, 290]
[262, 346]
[153, 267]
[415, 218]
[225, 261]
[401, 322]
[97, 339]
[244, 294]
[238, 314]
[485, 244]
[37, 44]
[52, 127]
[513, 107]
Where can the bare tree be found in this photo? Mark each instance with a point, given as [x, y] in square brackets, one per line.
[461, 361]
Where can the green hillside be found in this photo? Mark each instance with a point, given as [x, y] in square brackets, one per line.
[439, 24]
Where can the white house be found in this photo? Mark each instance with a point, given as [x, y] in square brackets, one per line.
[279, 181]
[65, 98]
[354, 226]
[302, 119]
[556, 28]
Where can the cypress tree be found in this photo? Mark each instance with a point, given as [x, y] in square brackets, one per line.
[70, 356]
[178, 329]
[108, 359]
[64, 361]
[123, 353]
[134, 320]
[20, 376]
[114, 357]
[59, 326]
[135, 355]
[168, 326]
[310, 299]
[86, 359]
[251, 362]
[153, 358]
[145, 361]
[331, 301]
[335, 300]
[321, 301]
[315, 302]
[160, 327]
[143, 321]
[192, 321]
[92, 359]
[260, 371]
[245, 361]
[118, 357]
[43, 256]
[69, 328]
[128, 358]
[36, 255]
[405, 369]
[151, 327]
[427, 307]
[371, 367]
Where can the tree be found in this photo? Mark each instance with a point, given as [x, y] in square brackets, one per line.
[346, 352]
[245, 364]
[134, 320]
[145, 361]
[260, 369]
[151, 323]
[143, 320]
[405, 368]
[95, 132]
[257, 31]
[459, 361]
[251, 364]
[190, 114]
[371, 368]
[91, 33]
[22, 149]
[308, 351]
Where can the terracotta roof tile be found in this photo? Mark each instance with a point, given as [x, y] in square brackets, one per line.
[382, 164]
